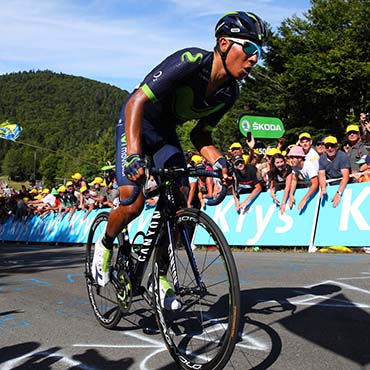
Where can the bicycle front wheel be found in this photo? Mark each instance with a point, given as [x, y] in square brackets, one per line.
[103, 300]
[201, 334]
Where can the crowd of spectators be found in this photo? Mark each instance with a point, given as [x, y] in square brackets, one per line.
[282, 169]
[62, 199]
[279, 170]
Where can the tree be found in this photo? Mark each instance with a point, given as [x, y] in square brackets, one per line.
[323, 61]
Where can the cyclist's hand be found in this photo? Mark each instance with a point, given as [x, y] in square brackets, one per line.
[134, 168]
[221, 164]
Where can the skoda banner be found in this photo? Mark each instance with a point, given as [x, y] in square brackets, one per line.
[261, 127]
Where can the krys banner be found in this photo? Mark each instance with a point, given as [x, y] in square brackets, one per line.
[261, 127]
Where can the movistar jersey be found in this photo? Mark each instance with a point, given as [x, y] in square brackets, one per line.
[177, 88]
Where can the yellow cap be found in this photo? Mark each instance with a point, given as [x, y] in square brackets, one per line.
[45, 191]
[331, 140]
[61, 189]
[197, 159]
[34, 191]
[235, 145]
[38, 197]
[305, 135]
[77, 176]
[82, 189]
[352, 128]
[69, 183]
[272, 151]
[97, 180]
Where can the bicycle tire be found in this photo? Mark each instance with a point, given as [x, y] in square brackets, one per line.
[204, 332]
[103, 300]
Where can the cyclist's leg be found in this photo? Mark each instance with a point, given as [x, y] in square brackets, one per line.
[168, 156]
[119, 217]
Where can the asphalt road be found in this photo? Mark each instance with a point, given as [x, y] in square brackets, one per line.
[300, 311]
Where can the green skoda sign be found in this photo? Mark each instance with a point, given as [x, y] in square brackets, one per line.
[261, 127]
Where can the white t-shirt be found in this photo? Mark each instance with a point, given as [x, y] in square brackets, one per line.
[313, 156]
[49, 199]
[308, 171]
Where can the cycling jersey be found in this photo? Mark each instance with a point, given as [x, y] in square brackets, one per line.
[177, 90]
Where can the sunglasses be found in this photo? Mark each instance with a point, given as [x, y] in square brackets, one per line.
[234, 148]
[327, 146]
[352, 133]
[249, 47]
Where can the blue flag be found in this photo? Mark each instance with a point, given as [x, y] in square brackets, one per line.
[9, 131]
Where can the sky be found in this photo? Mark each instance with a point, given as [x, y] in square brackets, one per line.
[116, 41]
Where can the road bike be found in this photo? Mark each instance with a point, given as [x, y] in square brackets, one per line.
[186, 245]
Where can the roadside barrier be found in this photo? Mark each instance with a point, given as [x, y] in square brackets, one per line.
[319, 224]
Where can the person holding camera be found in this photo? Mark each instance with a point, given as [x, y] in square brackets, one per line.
[365, 126]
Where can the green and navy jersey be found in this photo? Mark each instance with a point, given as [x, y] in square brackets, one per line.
[177, 89]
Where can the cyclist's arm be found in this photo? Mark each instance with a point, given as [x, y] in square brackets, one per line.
[133, 121]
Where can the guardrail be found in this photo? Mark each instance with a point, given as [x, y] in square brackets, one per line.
[319, 224]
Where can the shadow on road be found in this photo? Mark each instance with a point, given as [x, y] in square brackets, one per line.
[334, 323]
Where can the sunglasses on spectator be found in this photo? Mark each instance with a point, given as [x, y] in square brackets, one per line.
[327, 146]
[352, 133]
[234, 148]
[249, 47]
[320, 144]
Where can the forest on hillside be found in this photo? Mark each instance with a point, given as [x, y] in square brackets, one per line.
[315, 77]
[68, 124]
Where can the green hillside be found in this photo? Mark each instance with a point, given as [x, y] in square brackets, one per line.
[68, 124]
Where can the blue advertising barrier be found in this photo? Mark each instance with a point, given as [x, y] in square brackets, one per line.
[262, 225]
[349, 223]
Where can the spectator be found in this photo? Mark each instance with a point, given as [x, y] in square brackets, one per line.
[334, 165]
[280, 176]
[97, 194]
[237, 149]
[364, 174]
[320, 146]
[41, 204]
[83, 199]
[365, 126]
[357, 147]
[346, 146]
[193, 181]
[264, 168]
[305, 141]
[63, 208]
[78, 181]
[246, 181]
[112, 197]
[70, 199]
[303, 170]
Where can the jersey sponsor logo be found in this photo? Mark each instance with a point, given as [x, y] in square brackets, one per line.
[189, 57]
[184, 107]
[157, 75]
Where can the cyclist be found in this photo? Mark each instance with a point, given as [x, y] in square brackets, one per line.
[190, 84]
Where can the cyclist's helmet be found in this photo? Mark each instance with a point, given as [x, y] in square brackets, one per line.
[242, 25]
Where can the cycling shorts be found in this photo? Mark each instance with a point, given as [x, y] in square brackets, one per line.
[160, 143]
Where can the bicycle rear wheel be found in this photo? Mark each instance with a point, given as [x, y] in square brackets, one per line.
[103, 300]
[203, 333]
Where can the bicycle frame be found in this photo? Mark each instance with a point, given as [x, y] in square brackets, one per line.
[160, 227]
